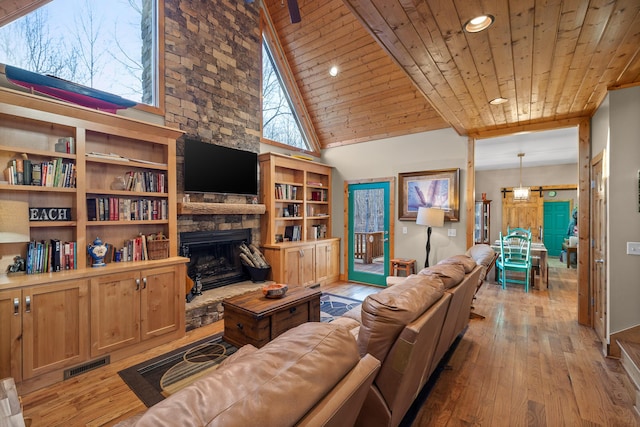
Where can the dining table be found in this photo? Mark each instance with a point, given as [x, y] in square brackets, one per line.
[538, 252]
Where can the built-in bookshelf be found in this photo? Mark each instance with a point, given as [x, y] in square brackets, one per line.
[296, 228]
[86, 174]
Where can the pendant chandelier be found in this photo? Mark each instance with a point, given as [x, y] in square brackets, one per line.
[521, 193]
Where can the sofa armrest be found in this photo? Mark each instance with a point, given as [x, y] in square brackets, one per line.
[342, 405]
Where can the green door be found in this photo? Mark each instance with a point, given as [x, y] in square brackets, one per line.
[556, 220]
[368, 251]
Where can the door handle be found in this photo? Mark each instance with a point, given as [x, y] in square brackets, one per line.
[27, 304]
[599, 261]
[137, 284]
[144, 283]
[16, 306]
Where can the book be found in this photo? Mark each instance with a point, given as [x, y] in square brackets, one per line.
[27, 171]
[36, 174]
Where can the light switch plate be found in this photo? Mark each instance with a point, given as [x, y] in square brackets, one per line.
[633, 248]
[451, 232]
[404, 230]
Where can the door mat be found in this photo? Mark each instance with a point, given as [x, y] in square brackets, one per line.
[155, 379]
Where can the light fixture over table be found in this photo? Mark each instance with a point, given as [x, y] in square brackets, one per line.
[521, 193]
[431, 217]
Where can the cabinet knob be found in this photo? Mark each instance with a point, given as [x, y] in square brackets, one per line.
[16, 306]
[240, 326]
[292, 309]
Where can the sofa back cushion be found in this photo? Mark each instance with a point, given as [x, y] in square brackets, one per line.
[450, 274]
[465, 261]
[386, 313]
[483, 255]
[273, 386]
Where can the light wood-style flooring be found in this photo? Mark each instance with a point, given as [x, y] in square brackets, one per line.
[528, 363]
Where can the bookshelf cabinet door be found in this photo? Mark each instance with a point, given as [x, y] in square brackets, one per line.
[55, 332]
[10, 333]
[162, 298]
[115, 312]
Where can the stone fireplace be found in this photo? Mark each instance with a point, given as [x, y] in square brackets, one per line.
[214, 256]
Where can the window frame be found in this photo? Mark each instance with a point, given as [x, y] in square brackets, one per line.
[288, 83]
[22, 9]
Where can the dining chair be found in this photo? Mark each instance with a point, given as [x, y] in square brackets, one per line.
[520, 231]
[515, 256]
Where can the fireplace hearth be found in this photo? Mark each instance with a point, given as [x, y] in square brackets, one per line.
[215, 256]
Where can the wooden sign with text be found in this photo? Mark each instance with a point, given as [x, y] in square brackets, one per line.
[49, 214]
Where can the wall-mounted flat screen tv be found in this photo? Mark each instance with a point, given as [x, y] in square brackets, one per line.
[211, 168]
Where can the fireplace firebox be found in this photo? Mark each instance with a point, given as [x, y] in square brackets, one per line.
[215, 256]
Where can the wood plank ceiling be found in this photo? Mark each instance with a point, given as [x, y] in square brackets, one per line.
[407, 66]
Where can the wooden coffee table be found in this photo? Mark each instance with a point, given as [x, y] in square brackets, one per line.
[253, 319]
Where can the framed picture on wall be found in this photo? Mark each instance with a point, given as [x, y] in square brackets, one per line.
[431, 189]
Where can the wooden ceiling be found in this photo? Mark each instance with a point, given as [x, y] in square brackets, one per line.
[407, 66]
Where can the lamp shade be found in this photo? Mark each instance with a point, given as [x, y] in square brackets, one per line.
[431, 217]
[14, 221]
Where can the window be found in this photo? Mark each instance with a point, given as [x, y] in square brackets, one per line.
[280, 122]
[110, 46]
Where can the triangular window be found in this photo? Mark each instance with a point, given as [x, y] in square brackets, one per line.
[280, 123]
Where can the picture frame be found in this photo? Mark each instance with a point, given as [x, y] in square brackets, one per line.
[435, 188]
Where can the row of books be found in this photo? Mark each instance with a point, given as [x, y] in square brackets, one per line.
[125, 209]
[146, 181]
[53, 173]
[291, 210]
[319, 195]
[66, 145]
[134, 249]
[293, 233]
[51, 256]
[318, 231]
[286, 191]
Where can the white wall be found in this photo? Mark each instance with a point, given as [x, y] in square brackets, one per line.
[491, 181]
[441, 149]
[622, 204]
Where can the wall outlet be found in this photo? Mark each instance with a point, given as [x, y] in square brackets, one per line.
[633, 248]
[451, 232]
[404, 230]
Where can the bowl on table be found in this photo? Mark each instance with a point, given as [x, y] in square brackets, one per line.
[274, 290]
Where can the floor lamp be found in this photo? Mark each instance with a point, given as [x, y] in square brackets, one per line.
[431, 217]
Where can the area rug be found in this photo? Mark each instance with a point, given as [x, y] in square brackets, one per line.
[332, 306]
[155, 379]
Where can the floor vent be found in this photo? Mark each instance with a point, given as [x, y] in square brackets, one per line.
[72, 372]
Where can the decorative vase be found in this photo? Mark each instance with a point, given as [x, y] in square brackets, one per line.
[97, 251]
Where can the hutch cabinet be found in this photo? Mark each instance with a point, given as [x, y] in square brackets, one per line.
[482, 228]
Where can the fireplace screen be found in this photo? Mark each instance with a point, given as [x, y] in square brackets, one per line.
[215, 256]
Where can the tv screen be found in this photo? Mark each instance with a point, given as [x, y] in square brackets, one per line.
[210, 168]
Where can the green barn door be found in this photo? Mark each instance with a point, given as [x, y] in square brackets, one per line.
[556, 220]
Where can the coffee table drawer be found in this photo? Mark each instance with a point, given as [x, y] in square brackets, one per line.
[289, 318]
[241, 329]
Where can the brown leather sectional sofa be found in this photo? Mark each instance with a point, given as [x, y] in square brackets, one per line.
[318, 374]
[311, 375]
[409, 327]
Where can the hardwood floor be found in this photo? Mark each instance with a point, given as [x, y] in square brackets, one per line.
[527, 363]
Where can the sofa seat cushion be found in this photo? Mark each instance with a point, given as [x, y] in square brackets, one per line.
[387, 312]
[465, 261]
[273, 386]
[450, 274]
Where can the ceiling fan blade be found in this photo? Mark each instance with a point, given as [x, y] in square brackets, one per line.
[294, 11]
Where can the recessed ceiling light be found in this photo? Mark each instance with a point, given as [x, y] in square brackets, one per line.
[478, 23]
[498, 101]
[333, 71]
